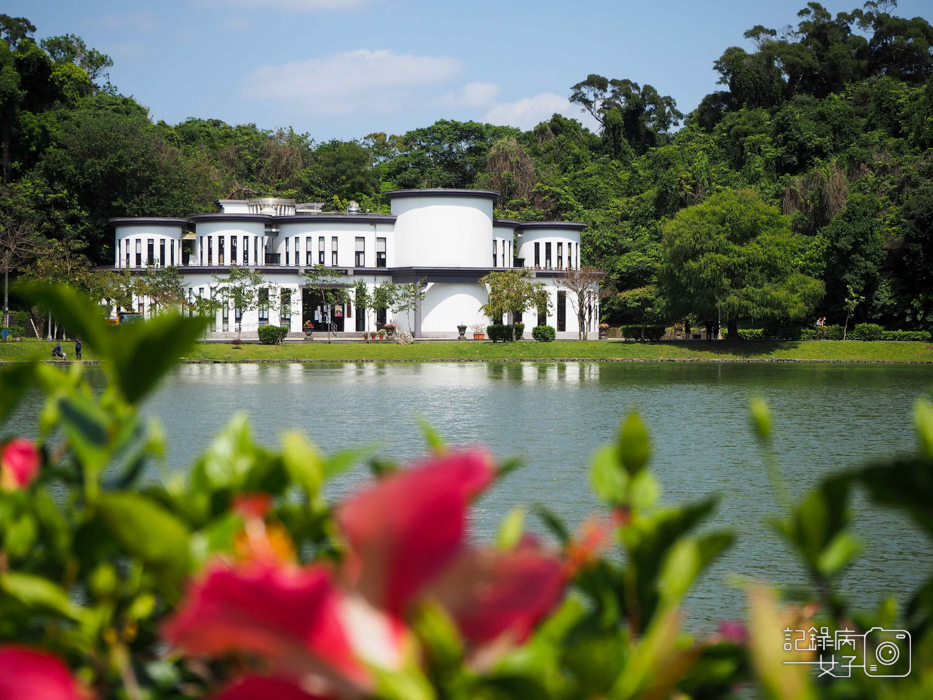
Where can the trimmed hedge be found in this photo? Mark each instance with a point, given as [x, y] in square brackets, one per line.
[633, 332]
[543, 334]
[500, 332]
[867, 331]
[921, 336]
[272, 335]
[16, 331]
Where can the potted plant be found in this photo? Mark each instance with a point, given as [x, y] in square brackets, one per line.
[603, 331]
[382, 333]
[308, 328]
[461, 329]
[479, 331]
[390, 330]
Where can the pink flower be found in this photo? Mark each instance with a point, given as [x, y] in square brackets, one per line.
[409, 526]
[19, 464]
[288, 616]
[264, 688]
[29, 674]
[733, 632]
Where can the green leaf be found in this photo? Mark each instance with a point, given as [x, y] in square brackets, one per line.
[39, 593]
[439, 635]
[142, 353]
[74, 310]
[303, 463]
[146, 530]
[634, 445]
[511, 529]
[686, 560]
[838, 554]
[923, 420]
[15, 380]
[86, 426]
[761, 420]
[431, 436]
[905, 484]
[552, 521]
[610, 481]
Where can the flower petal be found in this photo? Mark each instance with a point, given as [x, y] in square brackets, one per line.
[264, 688]
[29, 674]
[491, 594]
[19, 464]
[289, 616]
[406, 528]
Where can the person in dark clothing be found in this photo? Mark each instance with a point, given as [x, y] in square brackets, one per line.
[57, 351]
[77, 348]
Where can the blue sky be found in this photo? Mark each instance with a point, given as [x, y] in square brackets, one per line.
[346, 68]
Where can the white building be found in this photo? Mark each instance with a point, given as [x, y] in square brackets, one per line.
[446, 237]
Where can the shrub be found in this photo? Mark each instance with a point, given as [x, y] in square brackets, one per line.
[808, 334]
[495, 332]
[867, 331]
[752, 333]
[634, 332]
[499, 332]
[832, 332]
[519, 330]
[917, 336]
[21, 318]
[16, 331]
[543, 334]
[783, 332]
[272, 335]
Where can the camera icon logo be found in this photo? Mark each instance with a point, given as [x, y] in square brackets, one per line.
[887, 653]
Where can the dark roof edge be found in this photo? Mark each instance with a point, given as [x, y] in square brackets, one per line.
[442, 192]
[506, 223]
[566, 225]
[337, 218]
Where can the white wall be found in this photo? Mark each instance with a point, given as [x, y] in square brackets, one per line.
[503, 238]
[442, 232]
[542, 236]
[445, 306]
[127, 236]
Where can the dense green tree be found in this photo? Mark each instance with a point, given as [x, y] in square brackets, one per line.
[732, 257]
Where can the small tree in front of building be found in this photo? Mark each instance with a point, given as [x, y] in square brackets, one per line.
[164, 287]
[240, 289]
[328, 284]
[408, 297]
[512, 291]
[582, 286]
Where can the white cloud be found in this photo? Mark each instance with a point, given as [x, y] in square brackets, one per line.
[344, 83]
[294, 5]
[527, 113]
[133, 21]
[472, 95]
[236, 24]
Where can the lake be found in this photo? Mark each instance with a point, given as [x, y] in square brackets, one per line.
[555, 415]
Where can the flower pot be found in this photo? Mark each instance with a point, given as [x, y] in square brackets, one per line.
[603, 334]
[462, 331]
[479, 336]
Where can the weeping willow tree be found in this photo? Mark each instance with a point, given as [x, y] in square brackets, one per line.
[734, 257]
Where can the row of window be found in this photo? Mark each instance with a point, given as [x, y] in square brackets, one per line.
[239, 255]
[127, 247]
[571, 263]
[501, 248]
[292, 251]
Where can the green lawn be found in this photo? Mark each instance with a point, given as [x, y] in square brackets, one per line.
[384, 351]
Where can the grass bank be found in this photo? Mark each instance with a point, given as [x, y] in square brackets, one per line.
[319, 351]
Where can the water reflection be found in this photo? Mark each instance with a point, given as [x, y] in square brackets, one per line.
[555, 414]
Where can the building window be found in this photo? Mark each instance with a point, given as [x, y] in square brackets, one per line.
[309, 254]
[172, 252]
[263, 306]
[245, 250]
[126, 248]
[255, 250]
[201, 251]
[297, 251]
[162, 253]
[225, 318]
[210, 251]
[537, 254]
[570, 256]
[220, 249]
[150, 258]
[333, 251]
[320, 250]
[360, 253]
[140, 308]
[562, 311]
[380, 252]
[288, 248]
[547, 255]
[560, 256]
[360, 318]
[542, 318]
[494, 249]
[380, 317]
[578, 256]
[505, 262]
